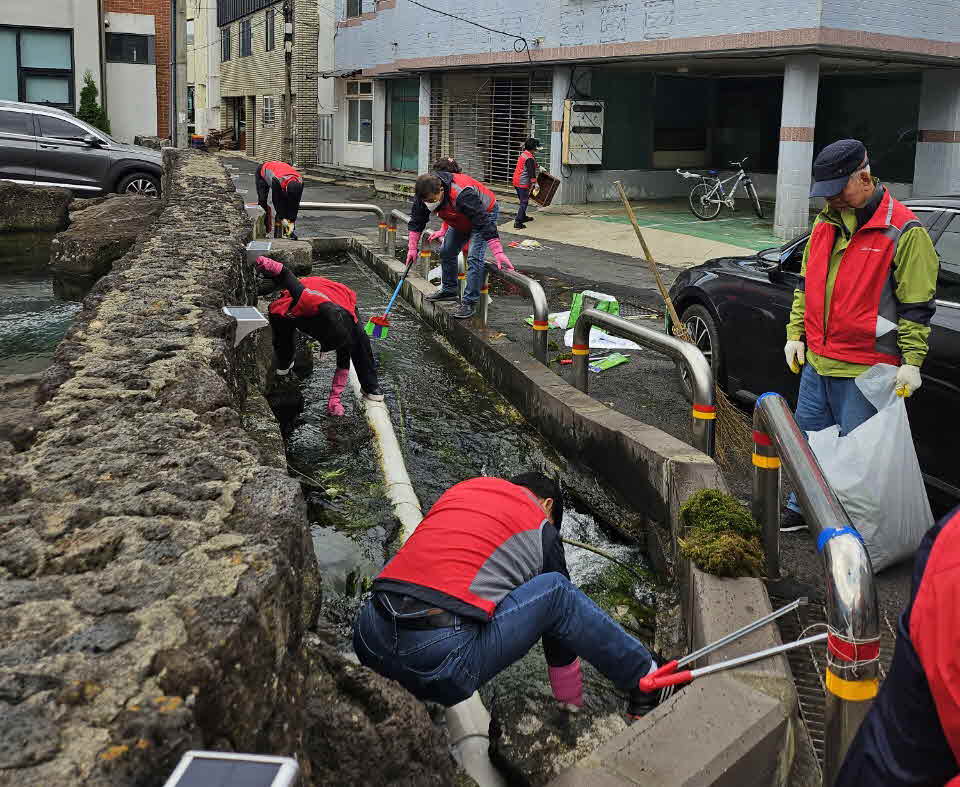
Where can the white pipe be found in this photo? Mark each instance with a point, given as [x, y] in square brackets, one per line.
[467, 721]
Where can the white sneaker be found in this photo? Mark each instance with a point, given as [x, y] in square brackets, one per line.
[285, 372]
[371, 397]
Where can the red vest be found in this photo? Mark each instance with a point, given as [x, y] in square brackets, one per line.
[481, 540]
[317, 291]
[520, 178]
[863, 290]
[448, 210]
[280, 171]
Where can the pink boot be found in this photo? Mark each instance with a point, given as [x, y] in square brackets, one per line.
[339, 383]
[567, 683]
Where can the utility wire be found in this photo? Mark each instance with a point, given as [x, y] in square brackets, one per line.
[524, 44]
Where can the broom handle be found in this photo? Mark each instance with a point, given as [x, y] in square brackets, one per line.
[646, 251]
[396, 291]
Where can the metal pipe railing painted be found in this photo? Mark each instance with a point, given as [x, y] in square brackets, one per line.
[341, 207]
[537, 295]
[702, 414]
[853, 645]
[395, 215]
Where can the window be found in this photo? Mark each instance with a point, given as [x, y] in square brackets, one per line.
[36, 65]
[270, 29]
[948, 247]
[269, 114]
[360, 122]
[359, 88]
[130, 48]
[58, 128]
[16, 123]
[246, 38]
[189, 32]
[354, 8]
[225, 44]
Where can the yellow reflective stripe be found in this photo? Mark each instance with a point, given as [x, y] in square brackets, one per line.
[703, 416]
[766, 462]
[854, 690]
[575, 351]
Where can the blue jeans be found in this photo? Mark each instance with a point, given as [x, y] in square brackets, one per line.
[829, 401]
[447, 665]
[523, 194]
[452, 243]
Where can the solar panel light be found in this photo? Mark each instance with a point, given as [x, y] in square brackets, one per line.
[226, 769]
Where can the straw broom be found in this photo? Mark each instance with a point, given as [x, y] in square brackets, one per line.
[734, 435]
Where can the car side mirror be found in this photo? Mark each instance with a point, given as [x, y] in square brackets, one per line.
[91, 141]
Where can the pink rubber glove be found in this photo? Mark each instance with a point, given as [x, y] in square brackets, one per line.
[413, 241]
[499, 257]
[438, 235]
[339, 383]
[567, 683]
[269, 267]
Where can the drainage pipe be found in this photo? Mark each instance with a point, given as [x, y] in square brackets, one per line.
[467, 721]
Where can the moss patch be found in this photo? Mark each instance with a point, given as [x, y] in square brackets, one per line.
[614, 589]
[722, 537]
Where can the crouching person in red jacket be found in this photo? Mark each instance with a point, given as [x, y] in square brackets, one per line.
[482, 578]
[326, 311]
[911, 736]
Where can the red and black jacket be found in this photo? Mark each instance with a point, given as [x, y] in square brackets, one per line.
[467, 206]
[525, 172]
[284, 174]
[911, 736]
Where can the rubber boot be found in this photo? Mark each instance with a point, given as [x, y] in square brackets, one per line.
[339, 383]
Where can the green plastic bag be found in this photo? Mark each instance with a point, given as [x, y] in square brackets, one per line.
[605, 303]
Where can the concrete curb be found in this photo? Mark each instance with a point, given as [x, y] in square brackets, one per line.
[742, 721]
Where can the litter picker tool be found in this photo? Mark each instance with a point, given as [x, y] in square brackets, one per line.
[670, 673]
[379, 326]
[733, 430]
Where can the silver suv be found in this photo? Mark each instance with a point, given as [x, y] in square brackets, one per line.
[44, 146]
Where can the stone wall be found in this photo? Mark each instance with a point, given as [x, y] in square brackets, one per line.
[157, 582]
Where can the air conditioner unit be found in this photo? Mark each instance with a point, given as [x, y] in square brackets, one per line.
[582, 131]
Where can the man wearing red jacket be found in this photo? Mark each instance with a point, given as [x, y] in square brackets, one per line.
[326, 311]
[524, 178]
[911, 736]
[285, 186]
[469, 210]
[482, 578]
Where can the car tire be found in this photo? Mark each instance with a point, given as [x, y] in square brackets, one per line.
[706, 336]
[139, 183]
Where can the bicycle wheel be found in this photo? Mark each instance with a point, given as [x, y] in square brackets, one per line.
[752, 193]
[700, 202]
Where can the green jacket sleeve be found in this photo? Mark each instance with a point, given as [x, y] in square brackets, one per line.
[915, 269]
[795, 323]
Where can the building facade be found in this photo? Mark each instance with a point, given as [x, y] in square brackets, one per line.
[252, 76]
[203, 67]
[671, 84]
[46, 47]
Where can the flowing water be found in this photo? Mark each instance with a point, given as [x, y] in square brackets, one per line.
[451, 426]
[36, 307]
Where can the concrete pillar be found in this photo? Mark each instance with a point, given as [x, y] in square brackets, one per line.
[937, 166]
[379, 123]
[423, 151]
[801, 78]
[573, 179]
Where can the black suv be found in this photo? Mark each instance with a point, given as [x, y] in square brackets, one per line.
[44, 146]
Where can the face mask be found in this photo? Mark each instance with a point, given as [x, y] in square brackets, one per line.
[432, 206]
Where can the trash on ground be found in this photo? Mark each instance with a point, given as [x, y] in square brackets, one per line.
[554, 319]
[607, 362]
[602, 341]
[601, 302]
[528, 244]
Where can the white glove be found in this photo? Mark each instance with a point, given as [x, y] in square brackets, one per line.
[542, 170]
[794, 353]
[908, 380]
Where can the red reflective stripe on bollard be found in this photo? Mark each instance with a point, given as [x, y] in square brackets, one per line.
[852, 651]
[762, 438]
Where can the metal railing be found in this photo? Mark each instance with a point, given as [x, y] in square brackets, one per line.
[853, 645]
[425, 256]
[537, 295]
[702, 414]
[343, 207]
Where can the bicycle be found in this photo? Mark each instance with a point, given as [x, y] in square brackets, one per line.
[708, 196]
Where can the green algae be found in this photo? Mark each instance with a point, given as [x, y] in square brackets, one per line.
[722, 537]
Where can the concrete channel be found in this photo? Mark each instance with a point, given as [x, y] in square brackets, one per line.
[744, 722]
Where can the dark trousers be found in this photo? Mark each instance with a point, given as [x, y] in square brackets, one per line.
[523, 194]
[358, 349]
[286, 205]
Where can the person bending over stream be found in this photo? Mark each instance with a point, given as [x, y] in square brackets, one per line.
[326, 311]
[480, 580]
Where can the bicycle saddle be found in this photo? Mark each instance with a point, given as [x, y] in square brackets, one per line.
[713, 172]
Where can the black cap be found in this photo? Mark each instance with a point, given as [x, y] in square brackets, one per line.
[834, 166]
[532, 144]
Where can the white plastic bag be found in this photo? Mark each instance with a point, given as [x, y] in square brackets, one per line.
[875, 473]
